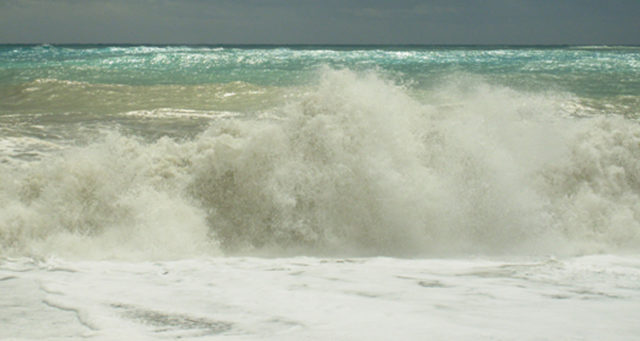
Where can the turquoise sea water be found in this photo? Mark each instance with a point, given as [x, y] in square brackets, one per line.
[575, 68]
[363, 149]
[110, 79]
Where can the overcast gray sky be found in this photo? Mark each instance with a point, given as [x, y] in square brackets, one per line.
[321, 21]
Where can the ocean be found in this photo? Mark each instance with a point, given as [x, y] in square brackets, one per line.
[319, 192]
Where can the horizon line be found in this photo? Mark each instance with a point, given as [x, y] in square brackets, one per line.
[320, 44]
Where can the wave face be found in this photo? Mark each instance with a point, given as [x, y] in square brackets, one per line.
[351, 163]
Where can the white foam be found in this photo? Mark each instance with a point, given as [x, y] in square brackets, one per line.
[357, 166]
[181, 113]
[237, 298]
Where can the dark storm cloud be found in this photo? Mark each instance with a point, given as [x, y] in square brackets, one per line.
[330, 21]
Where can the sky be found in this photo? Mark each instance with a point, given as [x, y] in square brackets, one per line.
[321, 21]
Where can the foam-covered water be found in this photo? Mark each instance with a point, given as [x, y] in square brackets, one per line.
[238, 298]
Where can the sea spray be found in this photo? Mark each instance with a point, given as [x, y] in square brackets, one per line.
[106, 200]
[357, 166]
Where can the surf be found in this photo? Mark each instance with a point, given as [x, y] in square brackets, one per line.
[358, 166]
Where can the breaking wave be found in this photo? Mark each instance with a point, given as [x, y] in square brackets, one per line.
[360, 166]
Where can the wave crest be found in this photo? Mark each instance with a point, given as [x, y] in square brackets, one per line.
[358, 166]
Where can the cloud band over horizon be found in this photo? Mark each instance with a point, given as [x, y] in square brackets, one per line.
[320, 22]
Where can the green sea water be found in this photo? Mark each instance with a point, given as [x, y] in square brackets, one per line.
[97, 80]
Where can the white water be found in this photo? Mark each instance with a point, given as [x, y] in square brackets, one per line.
[518, 213]
[236, 298]
[359, 166]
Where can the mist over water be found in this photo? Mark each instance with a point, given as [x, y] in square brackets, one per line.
[351, 162]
